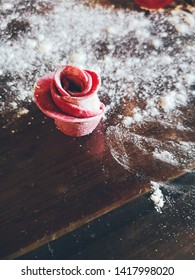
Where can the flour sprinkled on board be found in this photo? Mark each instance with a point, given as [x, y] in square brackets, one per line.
[132, 52]
[157, 196]
[146, 62]
[166, 156]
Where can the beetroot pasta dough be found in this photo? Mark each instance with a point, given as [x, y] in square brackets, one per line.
[69, 96]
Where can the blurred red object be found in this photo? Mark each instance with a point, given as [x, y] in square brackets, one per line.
[153, 4]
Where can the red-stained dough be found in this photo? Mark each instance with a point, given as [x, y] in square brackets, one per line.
[69, 96]
[153, 4]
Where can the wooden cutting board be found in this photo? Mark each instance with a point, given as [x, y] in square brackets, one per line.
[51, 184]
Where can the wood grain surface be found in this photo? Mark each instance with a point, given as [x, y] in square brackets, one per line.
[88, 197]
[134, 231]
[52, 184]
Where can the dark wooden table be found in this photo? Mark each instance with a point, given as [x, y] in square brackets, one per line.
[64, 197]
[89, 198]
[133, 231]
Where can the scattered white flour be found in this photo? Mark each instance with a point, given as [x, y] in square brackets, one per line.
[21, 112]
[151, 56]
[157, 43]
[127, 121]
[188, 21]
[157, 196]
[190, 78]
[148, 58]
[123, 143]
[166, 157]
[168, 102]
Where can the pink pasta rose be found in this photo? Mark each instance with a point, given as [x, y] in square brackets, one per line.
[69, 96]
[153, 4]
